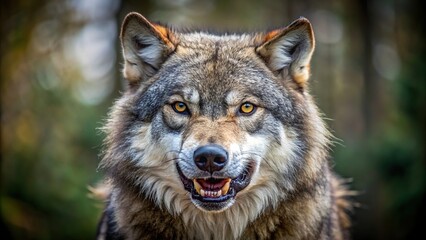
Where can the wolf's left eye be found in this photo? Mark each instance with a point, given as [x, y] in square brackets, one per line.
[247, 108]
[180, 107]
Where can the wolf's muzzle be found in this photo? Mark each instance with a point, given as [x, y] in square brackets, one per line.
[210, 158]
[216, 189]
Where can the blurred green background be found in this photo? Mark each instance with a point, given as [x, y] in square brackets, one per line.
[60, 72]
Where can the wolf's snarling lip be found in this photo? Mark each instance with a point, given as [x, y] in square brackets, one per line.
[216, 190]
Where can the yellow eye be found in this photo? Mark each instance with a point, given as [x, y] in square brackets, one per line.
[180, 107]
[247, 108]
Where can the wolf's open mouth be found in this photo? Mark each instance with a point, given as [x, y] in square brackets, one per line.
[216, 190]
[212, 187]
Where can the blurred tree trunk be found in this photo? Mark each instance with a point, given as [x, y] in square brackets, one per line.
[360, 44]
[364, 95]
[370, 90]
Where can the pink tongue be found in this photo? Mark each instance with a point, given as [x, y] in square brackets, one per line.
[212, 184]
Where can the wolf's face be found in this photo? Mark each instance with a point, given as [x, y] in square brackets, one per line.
[212, 121]
[222, 121]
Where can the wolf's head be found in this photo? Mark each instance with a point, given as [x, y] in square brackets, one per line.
[223, 123]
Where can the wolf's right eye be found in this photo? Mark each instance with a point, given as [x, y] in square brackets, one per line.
[180, 107]
[247, 108]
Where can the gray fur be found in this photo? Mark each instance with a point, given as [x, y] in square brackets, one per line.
[284, 142]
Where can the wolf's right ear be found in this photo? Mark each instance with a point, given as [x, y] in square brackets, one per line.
[145, 47]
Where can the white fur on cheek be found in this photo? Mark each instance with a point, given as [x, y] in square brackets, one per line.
[160, 181]
[255, 147]
[274, 160]
[281, 158]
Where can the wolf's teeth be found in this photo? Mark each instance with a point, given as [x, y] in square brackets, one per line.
[225, 187]
[206, 193]
[197, 186]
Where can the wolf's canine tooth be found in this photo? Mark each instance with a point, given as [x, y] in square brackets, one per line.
[225, 187]
[197, 186]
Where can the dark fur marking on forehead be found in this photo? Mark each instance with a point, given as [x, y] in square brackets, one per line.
[213, 108]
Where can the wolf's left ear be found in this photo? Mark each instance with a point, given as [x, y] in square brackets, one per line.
[289, 50]
[145, 47]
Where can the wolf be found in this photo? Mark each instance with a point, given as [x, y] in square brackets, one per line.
[217, 137]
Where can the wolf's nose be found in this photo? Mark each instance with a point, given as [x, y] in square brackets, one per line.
[210, 158]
